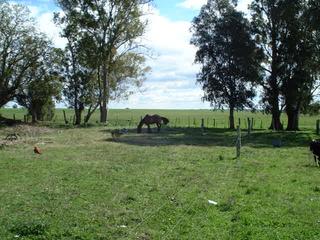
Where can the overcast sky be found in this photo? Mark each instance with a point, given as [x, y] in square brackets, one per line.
[172, 82]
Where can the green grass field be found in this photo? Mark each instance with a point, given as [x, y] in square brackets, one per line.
[87, 185]
[178, 118]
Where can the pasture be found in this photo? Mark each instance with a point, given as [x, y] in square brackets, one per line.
[87, 185]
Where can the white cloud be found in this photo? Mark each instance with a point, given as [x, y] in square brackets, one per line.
[47, 26]
[192, 4]
[197, 4]
[243, 5]
[171, 84]
[172, 81]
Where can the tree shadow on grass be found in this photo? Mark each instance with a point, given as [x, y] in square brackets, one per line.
[213, 137]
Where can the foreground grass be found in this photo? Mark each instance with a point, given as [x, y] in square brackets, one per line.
[157, 186]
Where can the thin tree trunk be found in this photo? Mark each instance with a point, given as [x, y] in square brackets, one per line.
[231, 118]
[90, 112]
[34, 115]
[103, 106]
[274, 90]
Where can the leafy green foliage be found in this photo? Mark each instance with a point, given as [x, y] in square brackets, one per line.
[286, 32]
[228, 56]
[107, 32]
[44, 86]
[299, 53]
[20, 49]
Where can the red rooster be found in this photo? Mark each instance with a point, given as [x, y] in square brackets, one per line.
[37, 150]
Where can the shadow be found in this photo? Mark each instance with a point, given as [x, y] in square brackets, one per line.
[213, 137]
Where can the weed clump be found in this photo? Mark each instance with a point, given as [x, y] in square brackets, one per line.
[31, 228]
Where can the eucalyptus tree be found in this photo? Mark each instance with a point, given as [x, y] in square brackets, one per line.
[78, 76]
[286, 30]
[299, 54]
[228, 56]
[21, 46]
[267, 26]
[111, 29]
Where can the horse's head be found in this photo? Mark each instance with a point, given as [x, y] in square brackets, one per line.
[165, 120]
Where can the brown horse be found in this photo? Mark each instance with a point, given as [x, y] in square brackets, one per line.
[152, 119]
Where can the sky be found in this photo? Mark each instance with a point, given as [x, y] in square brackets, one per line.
[172, 82]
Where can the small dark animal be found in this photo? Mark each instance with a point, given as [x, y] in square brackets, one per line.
[152, 119]
[12, 137]
[315, 149]
[118, 132]
[37, 150]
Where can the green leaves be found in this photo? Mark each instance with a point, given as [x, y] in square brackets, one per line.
[228, 55]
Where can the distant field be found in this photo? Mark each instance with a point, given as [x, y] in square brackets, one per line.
[178, 118]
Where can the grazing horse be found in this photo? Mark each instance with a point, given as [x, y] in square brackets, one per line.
[152, 119]
[315, 149]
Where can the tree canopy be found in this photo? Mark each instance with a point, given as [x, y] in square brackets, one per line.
[228, 56]
[21, 46]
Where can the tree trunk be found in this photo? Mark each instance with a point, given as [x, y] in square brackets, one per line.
[103, 112]
[91, 110]
[274, 103]
[293, 120]
[275, 121]
[231, 118]
[105, 96]
[77, 113]
[274, 90]
[34, 115]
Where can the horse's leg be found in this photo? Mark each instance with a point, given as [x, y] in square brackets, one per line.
[159, 126]
[149, 129]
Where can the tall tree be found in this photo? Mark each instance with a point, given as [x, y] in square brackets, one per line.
[78, 76]
[299, 53]
[113, 27]
[20, 48]
[228, 55]
[267, 28]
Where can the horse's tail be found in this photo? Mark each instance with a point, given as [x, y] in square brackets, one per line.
[165, 120]
[140, 126]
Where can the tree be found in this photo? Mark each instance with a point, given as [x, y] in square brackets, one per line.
[20, 48]
[267, 27]
[111, 28]
[78, 76]
[228, 55]
[299, 53]
[43, 86]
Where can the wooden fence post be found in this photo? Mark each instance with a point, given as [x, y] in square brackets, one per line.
[249, 126]
[65, 117]
[202, 123]
[238, 142]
